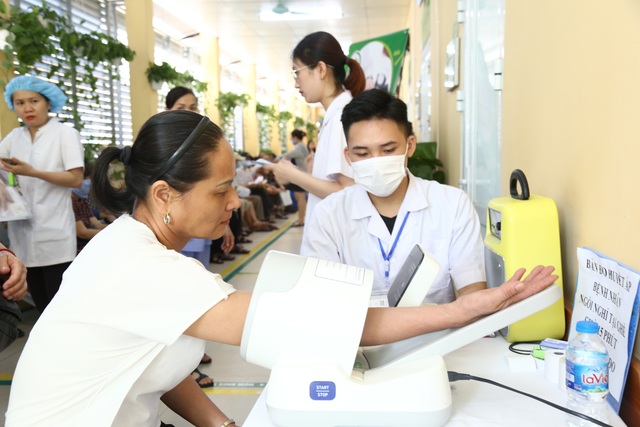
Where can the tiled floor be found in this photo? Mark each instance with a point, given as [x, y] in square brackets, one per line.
[237, 383]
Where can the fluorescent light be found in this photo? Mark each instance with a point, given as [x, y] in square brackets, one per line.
[308, 14]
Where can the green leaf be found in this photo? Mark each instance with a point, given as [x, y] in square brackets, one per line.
[424, 164]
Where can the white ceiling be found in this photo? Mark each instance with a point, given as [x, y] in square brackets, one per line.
[243, 37]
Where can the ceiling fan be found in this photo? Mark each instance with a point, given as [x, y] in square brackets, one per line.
[280, 12]
[282, 9]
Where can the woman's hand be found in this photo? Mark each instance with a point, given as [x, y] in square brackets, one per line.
[15, 274]
[482, 303]
[69, 178]
[5, 197]
[228, 240]
[18, 167]
[386, 325]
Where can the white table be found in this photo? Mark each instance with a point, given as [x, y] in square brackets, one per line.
[480, 404]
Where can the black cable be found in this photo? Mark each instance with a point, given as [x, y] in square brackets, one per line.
[455, 376]
[512, 347]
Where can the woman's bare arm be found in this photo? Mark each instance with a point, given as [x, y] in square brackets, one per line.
[224, 322]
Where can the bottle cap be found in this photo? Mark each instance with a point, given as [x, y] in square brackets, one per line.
[587, 326]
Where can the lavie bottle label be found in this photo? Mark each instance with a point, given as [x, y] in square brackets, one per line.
[588, 379]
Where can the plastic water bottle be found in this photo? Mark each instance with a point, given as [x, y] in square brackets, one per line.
[587, 375]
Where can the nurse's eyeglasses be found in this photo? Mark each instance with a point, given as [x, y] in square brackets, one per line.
[294, 71]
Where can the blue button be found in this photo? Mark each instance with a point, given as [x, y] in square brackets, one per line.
[322, 390]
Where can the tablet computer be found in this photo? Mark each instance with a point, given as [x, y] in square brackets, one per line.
[411, 285]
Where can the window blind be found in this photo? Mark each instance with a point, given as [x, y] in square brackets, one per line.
[105, 115]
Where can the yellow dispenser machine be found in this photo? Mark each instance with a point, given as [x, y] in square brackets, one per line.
[523, 231]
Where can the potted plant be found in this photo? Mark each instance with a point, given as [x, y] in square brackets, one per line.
[226, 103]
[23, 27]
[425, 164]
[61, 47]
[266, 120]
[298, 122]
[158, 74]
[186, 79]
[283, 117]
[312, 131]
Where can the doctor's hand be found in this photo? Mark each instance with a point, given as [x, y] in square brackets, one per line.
[478, 304]
[14, 272]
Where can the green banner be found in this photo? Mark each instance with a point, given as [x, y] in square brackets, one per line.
[381, 59]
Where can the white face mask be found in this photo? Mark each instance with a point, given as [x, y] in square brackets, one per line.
[382, 175]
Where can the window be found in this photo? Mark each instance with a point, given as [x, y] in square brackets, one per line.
[484, 50]
[107, 118]
[183, 59]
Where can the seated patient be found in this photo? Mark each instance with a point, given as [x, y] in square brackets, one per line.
[376, 223]
[87, 225]
[129, 324]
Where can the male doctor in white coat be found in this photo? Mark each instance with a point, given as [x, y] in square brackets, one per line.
[376, 223]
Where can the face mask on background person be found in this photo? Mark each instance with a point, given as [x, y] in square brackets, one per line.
[382, 175]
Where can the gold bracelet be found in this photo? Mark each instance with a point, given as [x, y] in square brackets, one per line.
[228, 422]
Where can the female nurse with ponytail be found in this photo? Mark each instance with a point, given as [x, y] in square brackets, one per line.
[324, 74]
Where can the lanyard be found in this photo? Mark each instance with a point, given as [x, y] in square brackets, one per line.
[387, 257]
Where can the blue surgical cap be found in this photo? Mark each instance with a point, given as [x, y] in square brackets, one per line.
[56, 97]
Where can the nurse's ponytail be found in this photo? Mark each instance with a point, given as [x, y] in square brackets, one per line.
[355, 80]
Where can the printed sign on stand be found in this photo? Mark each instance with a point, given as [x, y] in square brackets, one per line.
[607, 293]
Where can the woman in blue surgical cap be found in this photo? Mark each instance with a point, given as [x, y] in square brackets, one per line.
[47, 158]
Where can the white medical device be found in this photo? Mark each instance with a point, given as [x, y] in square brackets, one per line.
[419, 270]
[305, 321]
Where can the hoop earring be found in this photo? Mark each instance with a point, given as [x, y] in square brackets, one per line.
[167, 218]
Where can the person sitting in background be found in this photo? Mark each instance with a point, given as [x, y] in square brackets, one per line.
[87, 225]
[263, 175]
[235, 223]
[250, 219]
[100, 213]
[244, 174]
[246, 177]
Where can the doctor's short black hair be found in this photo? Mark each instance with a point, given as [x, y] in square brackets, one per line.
[375, 104]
